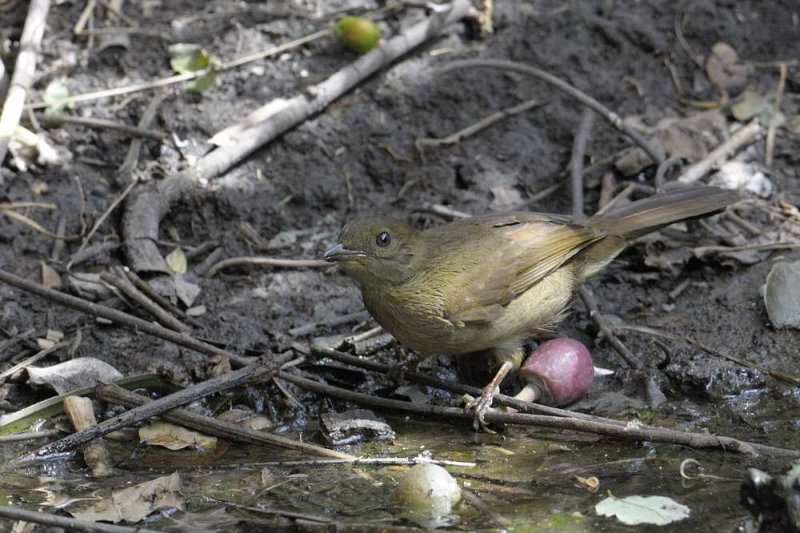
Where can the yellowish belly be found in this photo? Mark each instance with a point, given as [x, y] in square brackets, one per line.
[539, 308]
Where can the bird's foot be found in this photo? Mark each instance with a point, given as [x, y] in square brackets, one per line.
[480, 405]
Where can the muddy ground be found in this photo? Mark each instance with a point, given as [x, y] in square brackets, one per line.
[359, 157]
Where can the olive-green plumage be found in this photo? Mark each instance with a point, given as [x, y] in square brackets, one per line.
[489, 282]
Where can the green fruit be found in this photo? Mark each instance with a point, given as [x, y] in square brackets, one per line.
[357, 33]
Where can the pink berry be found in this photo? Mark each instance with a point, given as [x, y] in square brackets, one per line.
[558, 372]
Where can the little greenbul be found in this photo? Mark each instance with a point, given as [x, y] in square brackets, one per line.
[489, 282]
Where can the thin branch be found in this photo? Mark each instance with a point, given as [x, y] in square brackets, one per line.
[57, 120]
[560, 84]
[29, 46]
[118, 317]
[773, 120]
[119, 280]
[630, 432]
[262, 369]
[269, 261]
[118, 200]
[171, 80]
[37, 227]
[211, 426]
[472, 129]
[606, 329]
[458, 388]
[68, 524]
[720, 154]
[576, 161]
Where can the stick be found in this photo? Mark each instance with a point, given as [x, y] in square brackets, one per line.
[144, 213]
[55, 120]
[68, 524]
[123, 319]
[630, 433]
[271, 261]
[211, 426]
[29, 46]
[576, 161]
[119, 280]
[720, 154]
[262, 369]
[560, 84]
[80, 412]
[606, 330]
[458, 388]
[773, 120]
[472, 129]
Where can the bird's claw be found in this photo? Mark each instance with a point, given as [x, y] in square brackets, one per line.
[479, 406]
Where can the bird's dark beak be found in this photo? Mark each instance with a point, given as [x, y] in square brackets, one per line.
[338, 252]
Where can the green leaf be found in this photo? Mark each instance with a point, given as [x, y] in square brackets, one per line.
[176, 260]
[54, 96]
[202, 82]
[656, 510]
[187, 57]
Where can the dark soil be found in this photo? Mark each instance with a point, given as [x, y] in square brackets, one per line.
[359, 157]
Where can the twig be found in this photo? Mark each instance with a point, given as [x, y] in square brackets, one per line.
[211, 426]
[773, 120]
[307, 329]
[448, 213]
[576, 161]
[472, 129]
[68, 524]
[458, 388]
[781, 376]
[270, 261]
[606, 329]
[145, 287]
[630, 432]
[125, 172]
[38, 227]
[123, 319]
[29, 46]
[31, 435]
[118, 200]
[144, 213]
[395, 461]
[262, 369]
[27, 205]
[32, 359]
[664, 169]
[703, 250]
[171, 80]
[697, 58]
[119, 280]
[55, 120]
[560, 84]
[720, 154]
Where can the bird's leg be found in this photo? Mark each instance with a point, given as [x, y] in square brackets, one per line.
[481, 404]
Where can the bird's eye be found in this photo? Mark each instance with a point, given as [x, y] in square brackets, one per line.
[383, 239]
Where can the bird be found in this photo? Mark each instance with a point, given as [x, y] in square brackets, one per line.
[488, 283]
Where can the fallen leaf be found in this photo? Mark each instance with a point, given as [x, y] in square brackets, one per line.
[782, 295]
[176, 260]
[185, 290]
[633, 510]
[174, 437]
[136, 503]
[750, 104]
[74, 374]
[50, 278]
[724, 69]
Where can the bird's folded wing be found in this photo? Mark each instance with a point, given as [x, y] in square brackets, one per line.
[524, 249]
